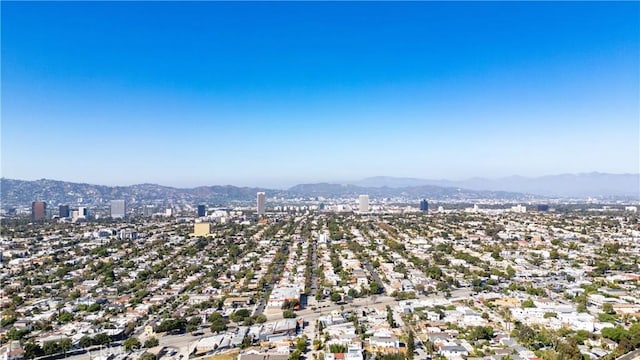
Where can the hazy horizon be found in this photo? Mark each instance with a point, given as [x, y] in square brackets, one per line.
[204, 93]
[284, 186]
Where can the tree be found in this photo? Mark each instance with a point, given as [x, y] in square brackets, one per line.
[15, 334]
[607, 308]
[131, 343]
[390, 356]
[218, 323]
[85, 341]
[336, 297]
[624, 346]
[195, 320]
[615, 333]
[634, 330]
[295, 355]
[151, 342]
[246, 342]
[390, 319]
[375, 288]
[528, 303]
[101, 339]
[214, 316]
[148, 356]
[411, 346]
[218, 326]
[524, 333]
[32, 350]
[66, 344]
[317, 344]
[442, 286]
[178, 324]
[352, 293]
[51, 347]
[65, 317]
[261, 319]
[239, 315]
[337, 348]
[8, 320]
[301, 344]
[288, 314]
[569, 350]
[581, 301]
[481, 333]
[290, 304]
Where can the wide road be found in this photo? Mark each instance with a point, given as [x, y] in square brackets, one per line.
[183, 342]
[314, 267]
[326, 307]
[374, 273]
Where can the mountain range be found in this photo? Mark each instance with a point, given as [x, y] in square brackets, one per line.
[15, 193]
[516, 188]
[592, 184]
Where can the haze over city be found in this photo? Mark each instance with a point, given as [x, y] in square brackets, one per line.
[274, 94]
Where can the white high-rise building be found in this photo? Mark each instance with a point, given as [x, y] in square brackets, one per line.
[363, 202]
[82, 213]
[118, 210]
[261, 203]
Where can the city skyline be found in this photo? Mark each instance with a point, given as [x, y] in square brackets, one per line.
[275, 94]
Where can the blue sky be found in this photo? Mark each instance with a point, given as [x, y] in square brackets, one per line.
[273, 94]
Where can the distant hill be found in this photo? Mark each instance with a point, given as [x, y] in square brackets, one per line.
[516, 188]
[22, 193]
[565, 185]
[423, 191]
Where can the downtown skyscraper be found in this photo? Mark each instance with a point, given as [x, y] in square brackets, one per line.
[38, 210]
[118, 209]
[363, 203]
[261, 203]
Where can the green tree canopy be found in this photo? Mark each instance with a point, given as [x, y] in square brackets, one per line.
[131, 343]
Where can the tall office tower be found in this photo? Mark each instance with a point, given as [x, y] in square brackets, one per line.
[202, 211]
[363, 202]
[543, 207]
[38, 210]
[118, 209]
[148, 210]
[261, 203]
[424, 205]
[83, 212]
[63, 211]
